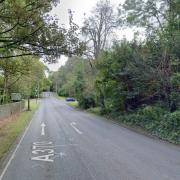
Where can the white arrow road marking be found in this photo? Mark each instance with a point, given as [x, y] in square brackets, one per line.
[73, 125]
[43, 129]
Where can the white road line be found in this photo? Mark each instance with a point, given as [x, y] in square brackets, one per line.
[13, 154]
[43, 129]
[75, 128]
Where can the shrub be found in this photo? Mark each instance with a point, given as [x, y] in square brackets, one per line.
[170, 127]
[87, 102]
[62, 92]
[95, 110]
[147, 117]
[156, 120]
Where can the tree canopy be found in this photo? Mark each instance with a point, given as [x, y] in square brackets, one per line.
[26, 28]
[98, 27]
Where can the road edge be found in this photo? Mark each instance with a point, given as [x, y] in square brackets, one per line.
[6, 160]
[135, 129]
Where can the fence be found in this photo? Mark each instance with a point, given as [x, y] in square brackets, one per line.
[11, 108]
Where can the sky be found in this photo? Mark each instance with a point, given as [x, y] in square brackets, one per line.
[79, 8]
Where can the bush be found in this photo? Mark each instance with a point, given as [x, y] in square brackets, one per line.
[62, 92]
[148, 117]
[151, 117]
[156, 120]
[169, 127]
[95, 110]
[87, 102]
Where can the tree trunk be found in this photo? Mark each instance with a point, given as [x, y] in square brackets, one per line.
[5, 88]
[29, 108]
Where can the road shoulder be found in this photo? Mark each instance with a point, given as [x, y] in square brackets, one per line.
[13, 133]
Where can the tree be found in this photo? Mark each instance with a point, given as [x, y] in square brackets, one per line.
[98, 28]
[12, 70]
[33, 79]
[75, 79]
[160, 18]
[114, 83]
[26, 28]
[79, 86]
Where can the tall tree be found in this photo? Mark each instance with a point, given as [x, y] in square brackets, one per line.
[30, 83]
[12, 70]
[26, 28]
[161, 20]
[98, 27]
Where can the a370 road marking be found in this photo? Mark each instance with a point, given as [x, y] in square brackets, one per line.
[43, 151]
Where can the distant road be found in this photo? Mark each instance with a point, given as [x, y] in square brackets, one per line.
[62, 143]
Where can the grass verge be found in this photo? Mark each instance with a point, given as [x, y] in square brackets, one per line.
[95, 110]
[62, 98]
[13, 127]
[73, 104]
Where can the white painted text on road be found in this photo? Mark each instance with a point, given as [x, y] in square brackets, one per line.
[43, 150]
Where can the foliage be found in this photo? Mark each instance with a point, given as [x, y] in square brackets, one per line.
[12, 129]
[157, 121]
[12, 70]
[120, 85]
[25, 75]
[75, 79]
[34, 81]
[87, 102]
[95, 110]
[98, 27]
[140, 79]
[26, 28]
[79, 86]
[161, 21]
[74, 104]
[27, 33]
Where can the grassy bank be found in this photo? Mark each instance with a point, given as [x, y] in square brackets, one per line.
[13, 126]
[62, 98]
[73, 104]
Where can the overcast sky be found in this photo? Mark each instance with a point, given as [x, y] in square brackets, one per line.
[79, 7]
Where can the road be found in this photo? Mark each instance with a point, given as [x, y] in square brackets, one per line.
[62, 143]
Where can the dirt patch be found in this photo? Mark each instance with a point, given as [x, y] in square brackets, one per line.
[5, 121]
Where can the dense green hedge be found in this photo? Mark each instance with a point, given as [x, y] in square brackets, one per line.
[86, 102]
[156, 120]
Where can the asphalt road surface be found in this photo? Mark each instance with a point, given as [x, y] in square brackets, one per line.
[62, 143]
